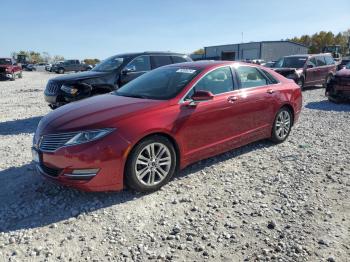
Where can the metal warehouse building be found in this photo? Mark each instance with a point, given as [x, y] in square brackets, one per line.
[266, 50]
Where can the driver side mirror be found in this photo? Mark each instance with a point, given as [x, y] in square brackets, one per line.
[201, 96]
[309, 66]
[129, 69]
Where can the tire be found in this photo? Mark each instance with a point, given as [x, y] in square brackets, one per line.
[60, 70]
[282, 125]
[147, 172]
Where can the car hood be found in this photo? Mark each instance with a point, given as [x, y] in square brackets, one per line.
[96, 112]
[80, 76]
[343, 73]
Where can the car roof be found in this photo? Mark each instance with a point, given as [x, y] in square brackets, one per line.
[209, 63]
[151, 53]
[308, 55]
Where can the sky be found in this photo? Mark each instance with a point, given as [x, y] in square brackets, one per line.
[79, 29]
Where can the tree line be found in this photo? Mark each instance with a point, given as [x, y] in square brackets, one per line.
[318, 41]
[44, 57]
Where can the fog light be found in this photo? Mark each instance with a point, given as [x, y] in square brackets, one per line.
[82, 174]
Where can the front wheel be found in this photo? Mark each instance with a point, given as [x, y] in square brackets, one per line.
[151, 164]
[60, 71]
[282, 125]
[300, 83]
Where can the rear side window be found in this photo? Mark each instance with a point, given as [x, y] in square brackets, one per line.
[178, 59]
[161, 60]
[251, 77]
[329, 60]
[320, 61]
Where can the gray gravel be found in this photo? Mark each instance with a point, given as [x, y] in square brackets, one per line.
[287, 202]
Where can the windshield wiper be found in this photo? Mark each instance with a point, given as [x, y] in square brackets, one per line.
[132, 95]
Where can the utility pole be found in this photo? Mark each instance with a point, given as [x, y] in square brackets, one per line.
[242, 37]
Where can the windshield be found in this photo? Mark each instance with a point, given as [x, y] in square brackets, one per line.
[291, 62]
[109, 64]
[5, 61]
[162, 83]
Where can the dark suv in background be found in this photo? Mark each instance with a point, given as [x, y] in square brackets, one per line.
[69, 66]
[107, 76]
[307, 70]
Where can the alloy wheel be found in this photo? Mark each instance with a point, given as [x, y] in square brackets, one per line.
[153, 164]
[283, 124]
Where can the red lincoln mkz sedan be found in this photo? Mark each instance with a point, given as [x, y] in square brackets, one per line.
[144, 132]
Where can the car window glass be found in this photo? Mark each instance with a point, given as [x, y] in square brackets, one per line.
[161, 60]
[250, 77]
[312, 61]
[178, 59]
[329, 60]
[320, 61]
[270, 77]
[140, 64]
[218, 81]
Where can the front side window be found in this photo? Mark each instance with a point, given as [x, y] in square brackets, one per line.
[109, 64]
[250, 77]
[160, 60]
[312, 61]
[217, 82]
[329, 60]
[162, 84]
[320, 61]
[139, 64]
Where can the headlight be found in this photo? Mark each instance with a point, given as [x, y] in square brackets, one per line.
[87, 136]
[69, 89]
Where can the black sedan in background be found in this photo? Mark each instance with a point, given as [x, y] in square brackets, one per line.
[107, 76]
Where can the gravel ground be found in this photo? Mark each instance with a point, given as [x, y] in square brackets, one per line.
[287, 202]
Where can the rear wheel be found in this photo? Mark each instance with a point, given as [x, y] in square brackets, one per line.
[282, 125]
[151, 164]
[60, 70]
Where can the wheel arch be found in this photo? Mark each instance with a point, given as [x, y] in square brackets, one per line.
[291, 109]
[163, 134]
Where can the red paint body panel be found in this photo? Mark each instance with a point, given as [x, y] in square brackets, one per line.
[200, 131]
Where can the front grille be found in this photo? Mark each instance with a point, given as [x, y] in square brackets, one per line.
[50, 143]
[50, 171]
[52, 87]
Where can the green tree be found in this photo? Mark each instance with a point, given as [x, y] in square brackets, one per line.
[199, 52]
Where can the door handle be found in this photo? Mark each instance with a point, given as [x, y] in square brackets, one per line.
[232, 99]
[270, 91]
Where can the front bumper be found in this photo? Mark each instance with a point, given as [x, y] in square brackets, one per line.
[106, 155]
[6, 75]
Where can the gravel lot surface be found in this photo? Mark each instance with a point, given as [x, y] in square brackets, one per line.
[286, 202]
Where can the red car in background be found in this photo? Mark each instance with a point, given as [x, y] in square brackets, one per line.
[338, 89]
[9, 69]
[147, 130]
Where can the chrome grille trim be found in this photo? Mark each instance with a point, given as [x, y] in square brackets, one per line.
[52, 87]
[50, 143]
